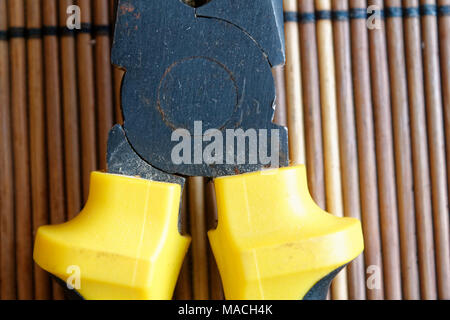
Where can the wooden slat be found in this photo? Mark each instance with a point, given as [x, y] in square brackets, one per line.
[422, 190]
[333, 184]
[348, 141]
[311, 101]
[444, 41]
[280, 85]
[22, 196]
[200, 276]
[38, 152]
[183, 290]
[436, 136]
[118, 75]
[70, 112]
[403, 157]
[103, 81]
[86, 94]
[385, 159]
[294, 87]
[7, 236]
[55, 137]
[366, 153]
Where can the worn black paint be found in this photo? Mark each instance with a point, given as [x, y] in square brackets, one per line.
[210, 64]
[123, 160]
[320, 289]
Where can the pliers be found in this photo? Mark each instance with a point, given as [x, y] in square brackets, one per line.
[198, 99]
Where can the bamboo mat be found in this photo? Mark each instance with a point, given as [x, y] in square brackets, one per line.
[365, 94]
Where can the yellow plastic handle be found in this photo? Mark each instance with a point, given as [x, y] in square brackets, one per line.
[273, 241]
[125, 243]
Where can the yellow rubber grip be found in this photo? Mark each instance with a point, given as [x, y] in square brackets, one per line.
[125, 243]
[272, 240]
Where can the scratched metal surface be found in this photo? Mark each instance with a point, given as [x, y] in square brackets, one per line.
[211, 64]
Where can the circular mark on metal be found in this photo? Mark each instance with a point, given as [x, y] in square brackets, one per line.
[197, 89]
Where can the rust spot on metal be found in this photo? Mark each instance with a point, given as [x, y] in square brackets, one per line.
[126, 8]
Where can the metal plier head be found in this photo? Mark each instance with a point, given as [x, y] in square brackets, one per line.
[198, 95]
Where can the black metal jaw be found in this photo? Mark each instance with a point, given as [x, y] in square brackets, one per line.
[196, 3]
[122, 159]
[197, 74]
